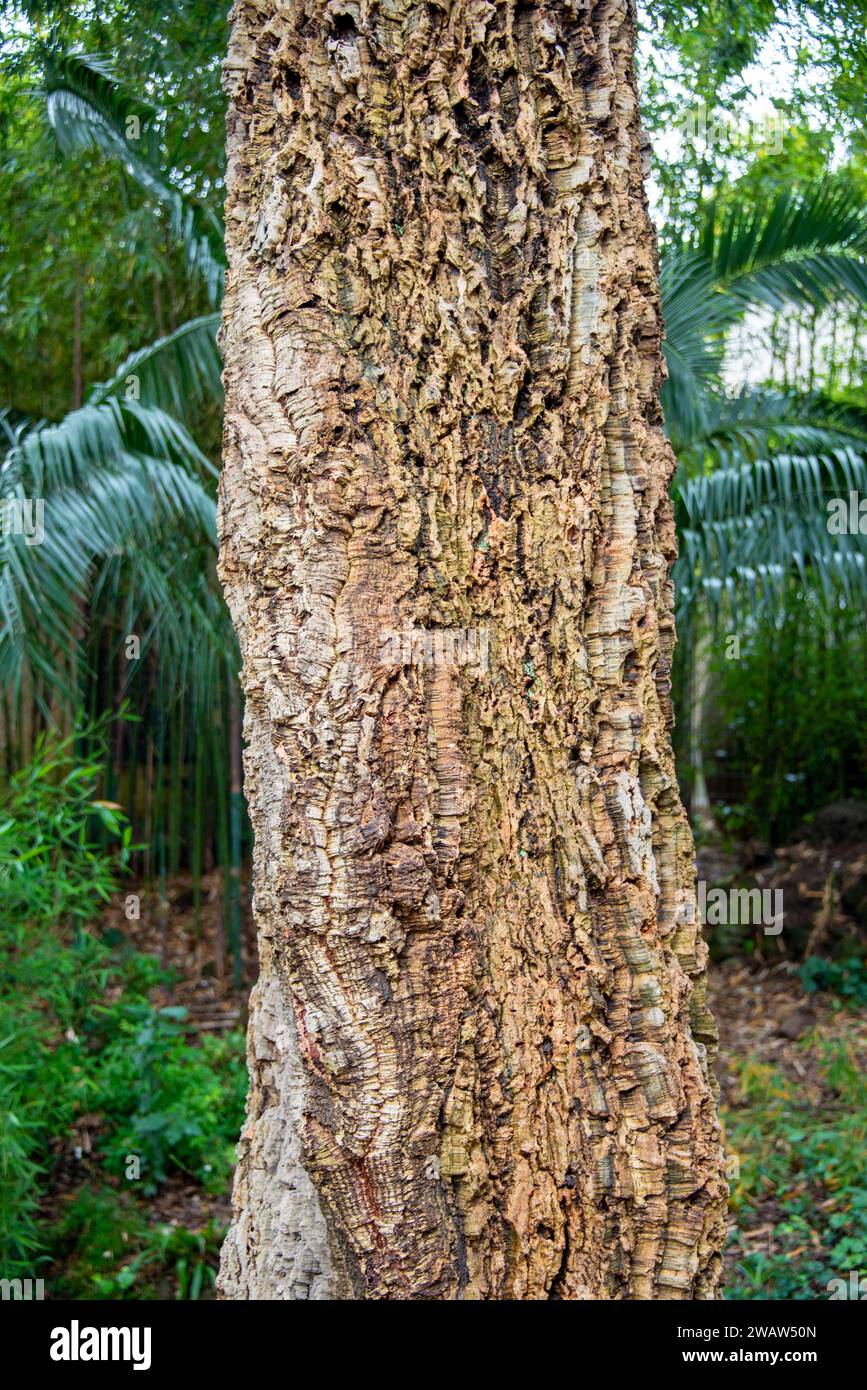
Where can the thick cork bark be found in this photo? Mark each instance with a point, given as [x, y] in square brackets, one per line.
[479, 1045]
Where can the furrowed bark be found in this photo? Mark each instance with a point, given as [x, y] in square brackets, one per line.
[479, 1044]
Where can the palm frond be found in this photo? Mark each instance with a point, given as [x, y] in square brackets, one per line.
[89, 110]
[46, 456]
[696, 316]
[87, 106]
[176, 373]
[115, 479]
[755, 423]
[806, 247]
[745, 530]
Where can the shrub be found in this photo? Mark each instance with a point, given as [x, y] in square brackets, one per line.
[846, 978]
[170, 1104]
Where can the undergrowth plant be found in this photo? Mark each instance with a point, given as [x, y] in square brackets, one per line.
[80, 1033]
[802, 1161]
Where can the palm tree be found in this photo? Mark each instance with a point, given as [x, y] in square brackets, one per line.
[129, 546]
[758, 465]
[119, 471]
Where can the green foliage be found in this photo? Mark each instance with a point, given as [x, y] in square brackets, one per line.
[78, 1032]
[117, 479]
[789, 727]
[176, 373]
[756, 469]
[51, 869]
[88, 109]
[107, 1250]
[845, 978]
[804, 245]
[718, 55]
[747, 528]
[53, 878]
[793, 247]
[117, 217]
[757, 465]
[806, 1161]
[173, 1105]
[121, 244]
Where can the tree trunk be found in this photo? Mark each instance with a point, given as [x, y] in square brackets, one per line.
[479, 1043]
